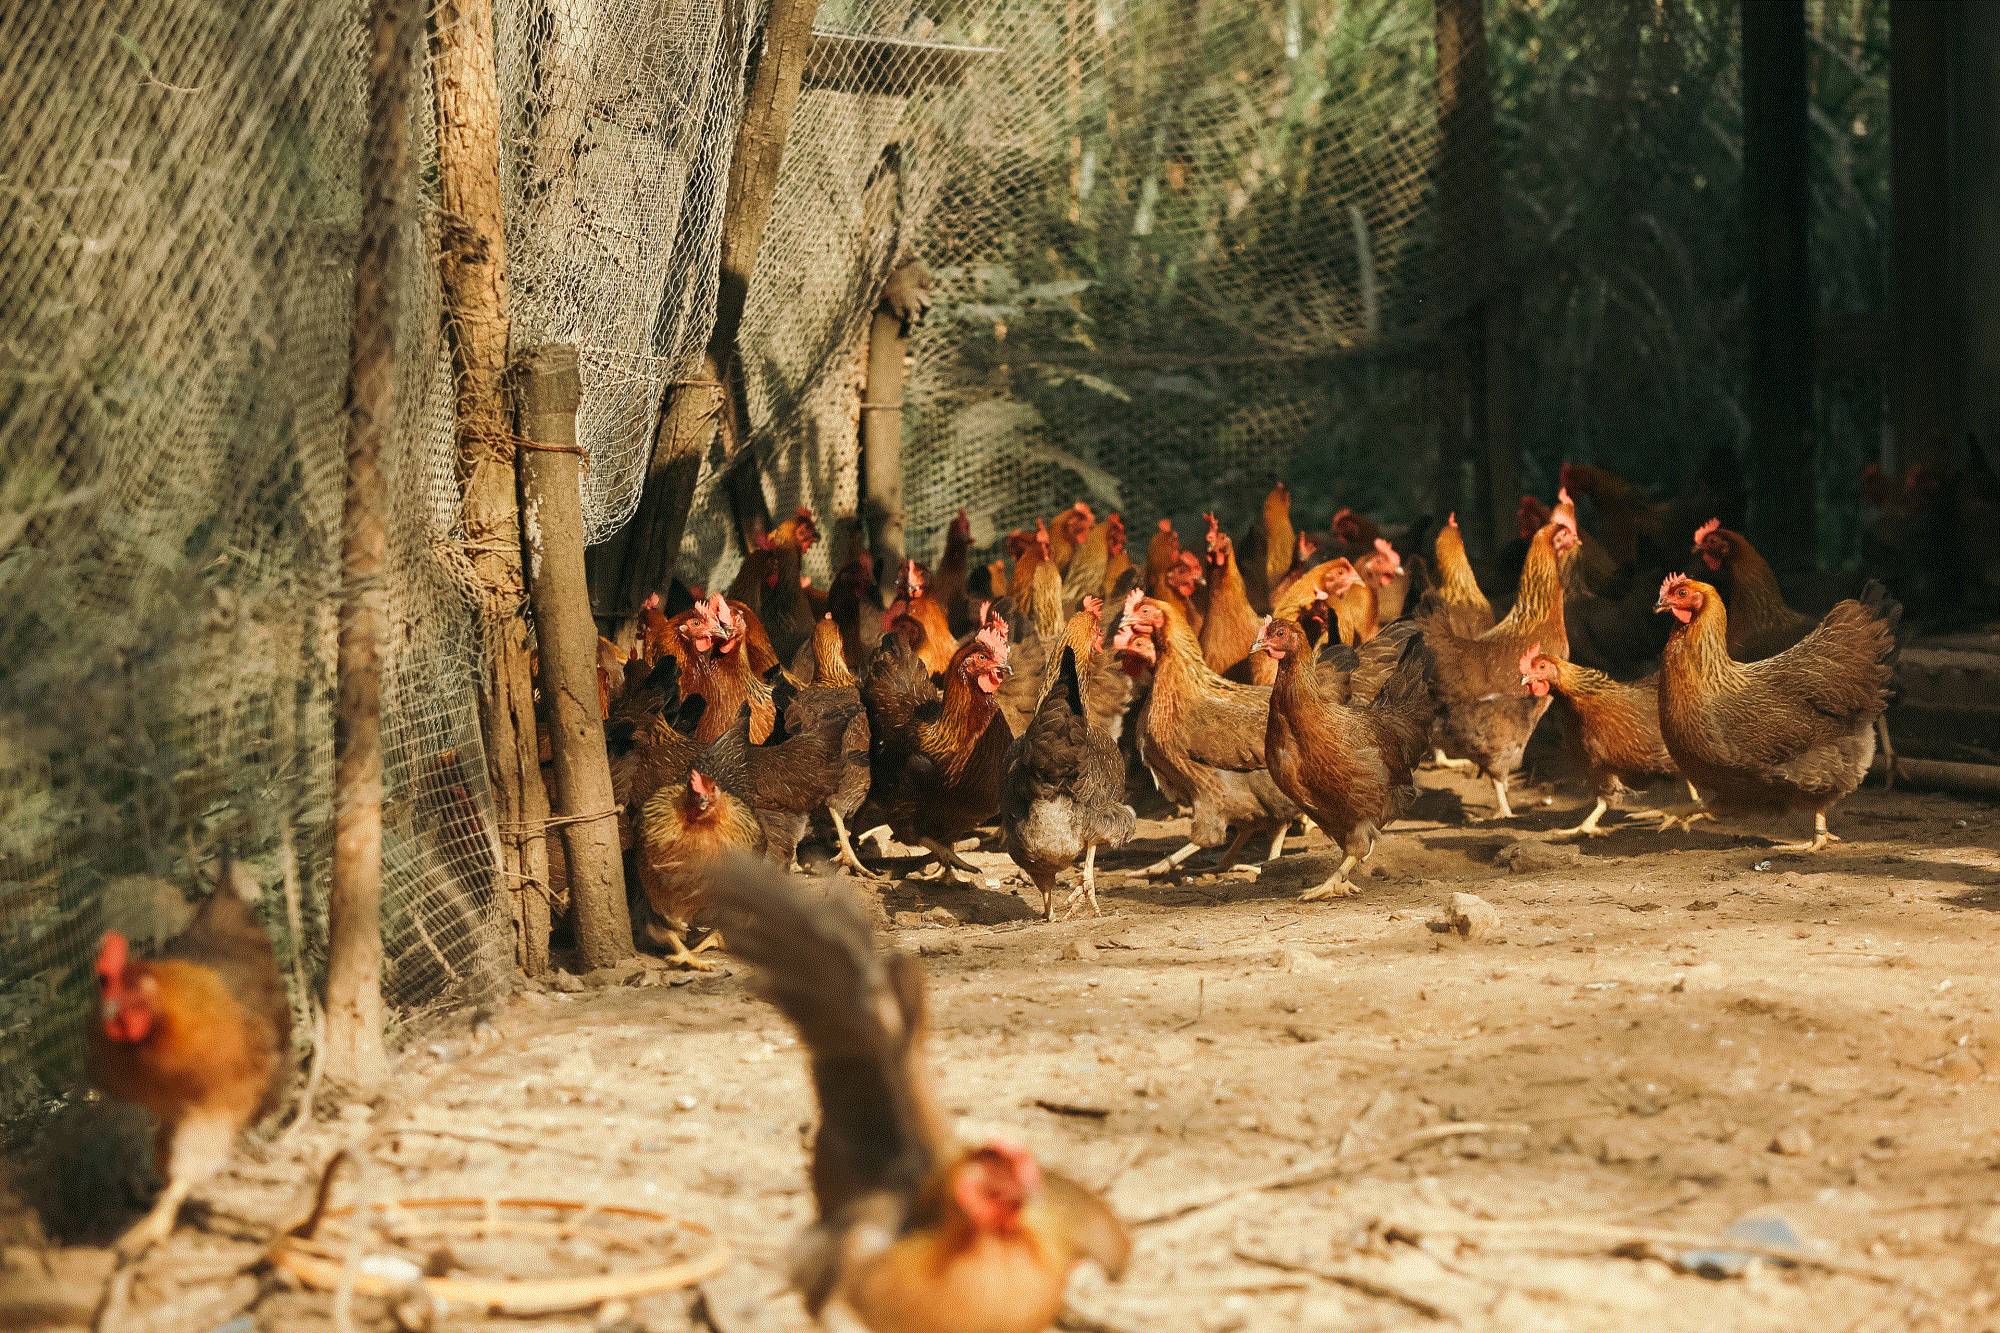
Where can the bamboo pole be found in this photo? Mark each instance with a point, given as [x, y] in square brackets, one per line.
[354, 1013]
[640, 560]
[546, 391]
[472, 261]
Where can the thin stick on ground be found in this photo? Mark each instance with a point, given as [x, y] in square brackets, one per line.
[1326, 1168]
[1367, 1286]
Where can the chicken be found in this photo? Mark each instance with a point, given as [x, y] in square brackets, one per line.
[1229, 626]
[1485, 716]
[830, 681]
[916, 1232]
[1179, 585]
[1201, 737]
[1084, 575]
[952, 577]
[771, 586]
[1630, 526]
[800, 771]
[1162, 553]
[1063, 793]
[1269, 550]
[684, 830]
[200, 1037]
[1067, 531]
[1350, 765]
[717, 665]
[1792, 732]
[1119, 562]
[914, 601]
[1457, 597]
[855, 604]
[1382, 569]
[1760, 624]
[1354, 534]
[938, 756]
[1357, 614]
[1610, 727]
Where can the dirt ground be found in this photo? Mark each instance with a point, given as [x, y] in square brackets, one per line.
[1335, 1115]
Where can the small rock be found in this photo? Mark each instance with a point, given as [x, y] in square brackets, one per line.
[938, 916]
[1525, 857]
[1470, 916]
[1762, 865]
[566, 983]
[906, 920]
[1303, 1035]
[684, 1102]
[1083, 951]
[1792, 1141]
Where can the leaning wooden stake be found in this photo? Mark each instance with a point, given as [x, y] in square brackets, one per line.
[639, 559]
[353, 1045]
[472, 260]
[546, 390]
[904, 297]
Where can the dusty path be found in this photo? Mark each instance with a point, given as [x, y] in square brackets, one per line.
[1661, 1037]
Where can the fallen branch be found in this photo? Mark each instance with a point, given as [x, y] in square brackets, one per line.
[1327, 1168]
[1367, 1286]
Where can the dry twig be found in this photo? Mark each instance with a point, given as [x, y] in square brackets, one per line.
[1367, 1286]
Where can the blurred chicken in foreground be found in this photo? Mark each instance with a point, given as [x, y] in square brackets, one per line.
[917, 1233]
[198, 1036]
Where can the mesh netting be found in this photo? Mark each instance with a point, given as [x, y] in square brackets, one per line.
[1179, 247]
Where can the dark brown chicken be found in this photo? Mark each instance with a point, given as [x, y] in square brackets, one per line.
[953, 574]
[1485, 716]
[771, 585]
[938, 756]
[1202, 738]
[1350, 765]
[830, 684]
[917, 1232]
[1611, 728]
[200, 1037]
[1064, 791]
[1792, 732]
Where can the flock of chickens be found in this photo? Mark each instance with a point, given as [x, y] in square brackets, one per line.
[1307, 678]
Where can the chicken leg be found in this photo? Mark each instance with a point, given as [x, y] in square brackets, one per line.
[1443, 760]
[1506, 808]
[1819, 840]
[949, 863]
[1277, 844]
[1234, 852]
[1090, 878]
[848, 856]
[1588, 828]
[1683, 817]
[1166, 865]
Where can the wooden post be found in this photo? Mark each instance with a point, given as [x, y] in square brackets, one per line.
[1469, 199]
[354, 1013]
[472, 259]
[1922, 397]
[904, 298]
[547, 391]
[1776, 205]
[640, 560]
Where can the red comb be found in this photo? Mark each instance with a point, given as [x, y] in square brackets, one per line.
[652, 603]
[700, 784]
[113, 955]
[1673, 583]
[1706, 530]
[1166, 525]
[1528, 659]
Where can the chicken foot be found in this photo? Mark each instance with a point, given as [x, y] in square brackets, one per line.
[1336, 885]
[1234, 852]
[1443, 760]
[674, 940]
[1085, 891]
[847, 855]
[949, 863]
[1589, 827]
[1819, 840]
[1683, 817]
[1506, 808]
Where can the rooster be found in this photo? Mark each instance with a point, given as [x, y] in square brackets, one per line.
[1486, 718]
[1349, 764]
[917, 1232]
[200, 1036]
[1065, 783]
[938, 755]
[1229, 626]
[1201, 737]
[1792, 732]
[1612, 729]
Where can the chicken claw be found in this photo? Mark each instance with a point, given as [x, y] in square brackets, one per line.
[1336, 885]
[848, 857]
[1166, 865]
[1683, 817]
[1820, 839]
[1589, 828]
[948, 863]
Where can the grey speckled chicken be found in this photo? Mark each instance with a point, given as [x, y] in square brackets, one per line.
[1063, 796]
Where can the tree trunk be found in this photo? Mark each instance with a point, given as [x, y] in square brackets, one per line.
[632, 568]
[547, 391]
[354, 1012]
[472, 260]
[1776, 204]
[1473, 224]
[882, 440]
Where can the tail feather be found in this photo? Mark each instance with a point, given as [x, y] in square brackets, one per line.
[860, 1011]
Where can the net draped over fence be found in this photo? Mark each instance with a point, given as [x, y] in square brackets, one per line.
[1180, 247]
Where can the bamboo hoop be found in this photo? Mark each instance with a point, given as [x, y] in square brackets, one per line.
[318, 1258]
